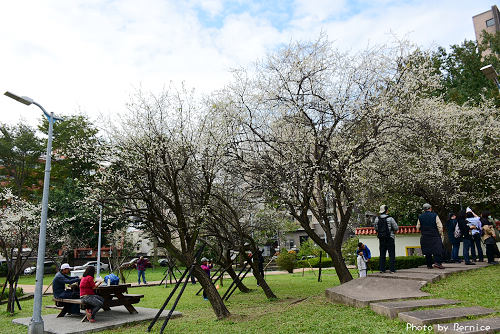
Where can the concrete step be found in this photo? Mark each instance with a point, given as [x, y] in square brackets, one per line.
[442, 272]
[391, 309]
[487, 325]
[363, 291]
[427, 317]
[461, 265]
[416, 276]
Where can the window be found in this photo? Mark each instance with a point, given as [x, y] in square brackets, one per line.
[490, 22]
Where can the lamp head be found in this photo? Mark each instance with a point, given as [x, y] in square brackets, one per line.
[23, 99]
[489, 72]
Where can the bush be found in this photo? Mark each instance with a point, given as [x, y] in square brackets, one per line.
[402, 262]
[308, 248]
[3, 269]
[349, 248]
[19, 293]
[286, 261]
[314, 262]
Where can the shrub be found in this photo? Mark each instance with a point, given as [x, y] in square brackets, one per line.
[326, 262]
[286, 261]
[3, 269]
[349, 248]
[308, 248]
[19, 293]
[402, 262]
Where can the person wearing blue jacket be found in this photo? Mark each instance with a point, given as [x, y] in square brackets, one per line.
[59, 288]
[366, 251]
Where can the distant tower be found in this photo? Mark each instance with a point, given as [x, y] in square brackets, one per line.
[489, 21]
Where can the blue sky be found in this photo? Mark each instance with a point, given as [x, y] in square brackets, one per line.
[90, 55]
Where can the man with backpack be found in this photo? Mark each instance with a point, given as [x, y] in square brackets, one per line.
[386, 226]
[431, 240]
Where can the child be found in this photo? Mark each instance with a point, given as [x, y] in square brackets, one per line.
[361, 263]
[206, 266]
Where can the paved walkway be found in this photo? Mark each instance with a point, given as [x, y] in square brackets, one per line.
[118, 316]
[395, 295]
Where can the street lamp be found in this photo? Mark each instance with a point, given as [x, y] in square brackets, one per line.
[99, 243]
[491, 74]
[36, 323]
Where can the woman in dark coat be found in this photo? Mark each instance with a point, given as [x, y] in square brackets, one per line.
[489, 238]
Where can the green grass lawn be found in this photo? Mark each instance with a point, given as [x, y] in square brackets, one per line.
[301, 307]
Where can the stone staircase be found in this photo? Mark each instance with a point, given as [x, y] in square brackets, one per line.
[395, 296]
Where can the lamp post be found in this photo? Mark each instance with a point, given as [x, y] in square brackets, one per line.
[491, 74]
[36, 323]
[99, 243]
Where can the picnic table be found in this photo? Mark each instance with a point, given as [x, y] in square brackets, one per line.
[114, 295]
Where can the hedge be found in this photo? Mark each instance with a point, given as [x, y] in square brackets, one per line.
[19, 293]
[402, 262]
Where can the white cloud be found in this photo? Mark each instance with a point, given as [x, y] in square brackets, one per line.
[90, 54]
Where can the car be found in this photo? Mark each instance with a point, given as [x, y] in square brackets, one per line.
[104, 266]
[129, 264]
[163, 262]
[46, 268]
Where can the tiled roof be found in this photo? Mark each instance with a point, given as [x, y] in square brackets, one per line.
[371, 230]
[401, 230]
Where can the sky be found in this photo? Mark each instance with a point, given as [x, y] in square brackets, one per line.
[90, 56]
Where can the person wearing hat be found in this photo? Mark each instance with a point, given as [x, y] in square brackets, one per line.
[386, 226]
[59, 288]
[206, 265]
[431, 239]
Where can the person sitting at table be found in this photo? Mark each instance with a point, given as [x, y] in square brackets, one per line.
[59, 288]
[87, 293]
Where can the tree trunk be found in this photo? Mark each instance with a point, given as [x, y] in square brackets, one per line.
[213, 296]
[12, 298]
[261, 281]
[243, 288]
[340, 267]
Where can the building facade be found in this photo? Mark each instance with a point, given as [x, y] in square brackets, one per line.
[488, 21]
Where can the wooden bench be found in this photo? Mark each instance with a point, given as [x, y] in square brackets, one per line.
[108, 303]
[61, 302]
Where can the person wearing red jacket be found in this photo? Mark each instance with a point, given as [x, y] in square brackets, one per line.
[141, 270]
[87, 293]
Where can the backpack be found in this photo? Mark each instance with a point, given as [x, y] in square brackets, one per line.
[112, 279]
[383, 230]
[457, 233]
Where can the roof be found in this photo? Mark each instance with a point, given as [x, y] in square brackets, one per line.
[401, 230]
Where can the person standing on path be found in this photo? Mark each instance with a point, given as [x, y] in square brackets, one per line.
[474, 220]
[465, 229]
[141, 270]
[489, 238]
[431, 240]
[363, 256]
[59, 288]
[386, 226]
[451, 226]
